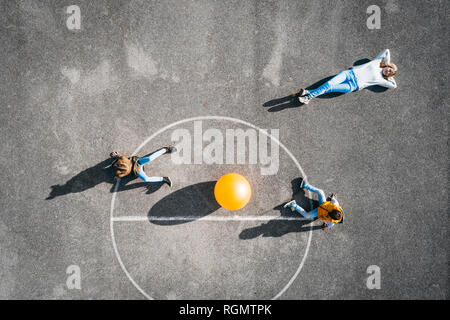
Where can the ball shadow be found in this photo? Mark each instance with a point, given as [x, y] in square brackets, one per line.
[188, 204]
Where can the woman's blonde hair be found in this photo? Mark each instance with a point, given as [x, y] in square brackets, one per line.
[390, 65]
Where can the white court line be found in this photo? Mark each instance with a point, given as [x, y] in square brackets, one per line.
[208, 218]
[116, 187]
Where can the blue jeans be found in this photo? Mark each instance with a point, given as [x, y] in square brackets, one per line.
[344, 81]
[312, 214]
[146, 159]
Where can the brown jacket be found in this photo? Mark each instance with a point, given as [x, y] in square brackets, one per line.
[124, 166]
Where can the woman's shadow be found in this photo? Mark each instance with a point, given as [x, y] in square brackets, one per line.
[99, 173]
[279, 227]
[291, 101]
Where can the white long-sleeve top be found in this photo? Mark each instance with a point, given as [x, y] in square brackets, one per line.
[370, 73]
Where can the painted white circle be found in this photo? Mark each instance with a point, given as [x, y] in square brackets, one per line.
[116, 251]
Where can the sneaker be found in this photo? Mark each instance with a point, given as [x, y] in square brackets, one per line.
[171, 149]
[168, 181]
[302, 92]
[290, 205]
[113, 154]
[331, 197]
[302, 184]
[304, 99]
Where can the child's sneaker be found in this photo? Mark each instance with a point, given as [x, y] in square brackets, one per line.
[171, 149]
[302, 184]
[290, 205]
[168, 181]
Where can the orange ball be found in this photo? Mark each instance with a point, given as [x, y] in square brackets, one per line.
[232, 191]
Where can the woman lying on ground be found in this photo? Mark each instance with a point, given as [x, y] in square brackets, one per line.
[378, 72]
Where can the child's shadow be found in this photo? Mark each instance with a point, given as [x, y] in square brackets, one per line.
[291, 101]
[99, 173]
[278, 227]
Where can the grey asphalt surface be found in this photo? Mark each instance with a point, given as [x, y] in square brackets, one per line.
[69, 98]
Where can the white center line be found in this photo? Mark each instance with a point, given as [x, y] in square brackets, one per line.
[207, 218]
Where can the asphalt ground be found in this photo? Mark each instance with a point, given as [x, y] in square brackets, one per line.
[70, 97]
